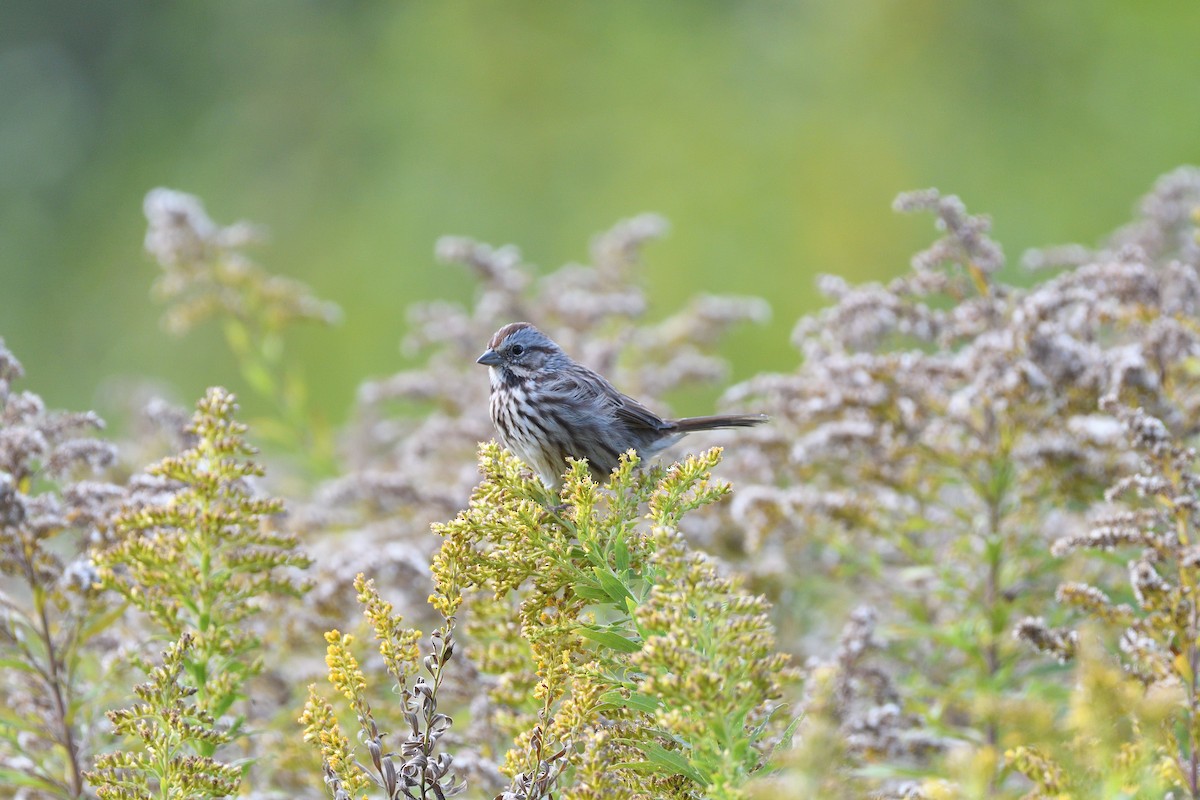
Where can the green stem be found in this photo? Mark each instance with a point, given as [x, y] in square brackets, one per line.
[55, 680]
[991, 598]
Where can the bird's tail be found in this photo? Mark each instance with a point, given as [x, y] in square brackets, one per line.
[692, 424]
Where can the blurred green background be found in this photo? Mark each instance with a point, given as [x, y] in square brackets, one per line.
[773, 135]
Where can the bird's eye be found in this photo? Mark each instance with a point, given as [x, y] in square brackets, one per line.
[516, 349]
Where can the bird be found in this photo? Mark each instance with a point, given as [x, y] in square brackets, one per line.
[547, 407]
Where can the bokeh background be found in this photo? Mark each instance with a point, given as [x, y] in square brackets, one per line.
[773, 135]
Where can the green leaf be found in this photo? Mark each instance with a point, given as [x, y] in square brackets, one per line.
[613, 586]
[591, 593]
[17, 664]
[258, 377]
[13, 778]
[610, 639]
[272, 429]
[621, 553]
[671, 760]
[637, 701]
[271, 347]
[101, 622]
[11, 720]
[295, 392]
[237, 337]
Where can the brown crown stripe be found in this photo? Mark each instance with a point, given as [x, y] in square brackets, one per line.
[505, 332]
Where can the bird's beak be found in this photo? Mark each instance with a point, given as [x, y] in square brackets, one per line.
[489, 358]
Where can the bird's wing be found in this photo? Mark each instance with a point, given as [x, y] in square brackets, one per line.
[587, 385]
[637, 415]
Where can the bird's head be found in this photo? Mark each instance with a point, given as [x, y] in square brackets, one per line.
[520, 351]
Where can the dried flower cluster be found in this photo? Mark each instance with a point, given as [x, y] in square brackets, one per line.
[205, 274]
[864, 696]
[52, 618]
[851, 712]
[944, 427]
[1159, 527]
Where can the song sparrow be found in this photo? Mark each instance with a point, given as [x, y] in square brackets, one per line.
[546, 407]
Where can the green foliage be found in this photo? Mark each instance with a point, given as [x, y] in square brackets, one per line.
[1107, 746]
[203, 562]
[644, 669]
[1159, 523]
[206, 276]
[176, 737]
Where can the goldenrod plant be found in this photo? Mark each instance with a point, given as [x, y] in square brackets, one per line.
[645, 670]
[1108, 743]
[642, 669]
[200, 561]
[175, 739]
[420, 768]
